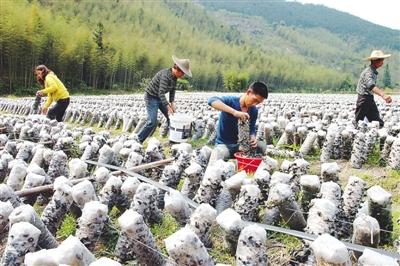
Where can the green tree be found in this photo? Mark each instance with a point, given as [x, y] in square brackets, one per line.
[347, 84]
[98, 36]
[235, 81]
[387, 81]
[183, 84]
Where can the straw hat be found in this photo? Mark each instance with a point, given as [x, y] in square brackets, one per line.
[183, 64]
[377, 54]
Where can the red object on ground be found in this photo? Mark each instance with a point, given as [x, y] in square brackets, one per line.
[250, 165]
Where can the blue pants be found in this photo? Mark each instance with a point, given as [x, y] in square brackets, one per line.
[152, 105]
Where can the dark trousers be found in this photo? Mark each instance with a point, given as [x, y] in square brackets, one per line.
[57, 112]
[366, 107]
[152, 105]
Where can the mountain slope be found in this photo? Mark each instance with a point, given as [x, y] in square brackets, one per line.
[311, 16]
[321, 35]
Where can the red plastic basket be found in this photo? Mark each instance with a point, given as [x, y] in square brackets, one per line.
[250, 165]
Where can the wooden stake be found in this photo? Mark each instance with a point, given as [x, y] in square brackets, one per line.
[146, 166]
[41, 189]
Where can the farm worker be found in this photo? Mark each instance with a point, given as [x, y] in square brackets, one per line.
[365, 106]
[233, 108]
[164, 81]
[55, 91]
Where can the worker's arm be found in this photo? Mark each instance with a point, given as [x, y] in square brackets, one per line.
[172, 95]
[50, 88]
[380, 93]
[371, 85]
[50, 85]
[218, 103]
[171, 105]
[47, 104]
[163, 89]
[171, 108]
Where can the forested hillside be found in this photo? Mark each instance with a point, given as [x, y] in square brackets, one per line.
[314, 16]
[111, 45]
[321, 34]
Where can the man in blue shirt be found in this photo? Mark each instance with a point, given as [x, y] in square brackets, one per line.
[233, 108]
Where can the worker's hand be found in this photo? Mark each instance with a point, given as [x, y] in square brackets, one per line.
[44, 110]
[253, 142]
[387, 98]
[241, 115]
[39, 93]
[171, 108]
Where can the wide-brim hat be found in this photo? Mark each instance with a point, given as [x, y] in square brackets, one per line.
[377, 54]
[183, 64]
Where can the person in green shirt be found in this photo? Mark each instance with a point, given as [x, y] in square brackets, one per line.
[55, 91]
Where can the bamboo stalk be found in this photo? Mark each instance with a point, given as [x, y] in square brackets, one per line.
[146, 166]
[41, 189]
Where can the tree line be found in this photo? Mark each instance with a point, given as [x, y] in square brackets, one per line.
[119, 45]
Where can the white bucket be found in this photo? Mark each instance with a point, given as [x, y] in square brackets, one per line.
[180, 128]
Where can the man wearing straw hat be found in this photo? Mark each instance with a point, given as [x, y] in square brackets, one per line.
[366, 87]
[163, 82]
